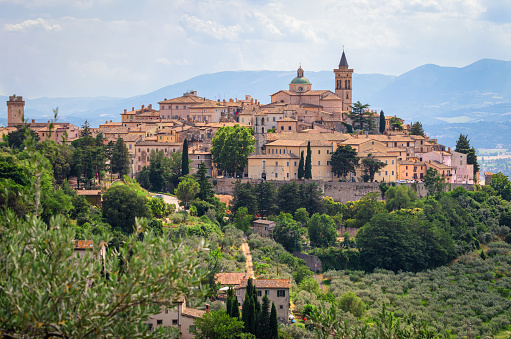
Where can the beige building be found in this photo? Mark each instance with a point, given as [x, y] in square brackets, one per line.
[277, 291]
[179, 108]
[207, 112]
[178, 316]
[283, 157]
[143, 150]
[263, 227]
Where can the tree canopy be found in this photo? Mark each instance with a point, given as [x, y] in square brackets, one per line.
[344, 161]
[231, 147]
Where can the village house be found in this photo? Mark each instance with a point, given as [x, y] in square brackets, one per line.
[179, 108]
[277, 291]
[143, 150]
[263, 227]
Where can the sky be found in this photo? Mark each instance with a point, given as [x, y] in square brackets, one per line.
[84, 48]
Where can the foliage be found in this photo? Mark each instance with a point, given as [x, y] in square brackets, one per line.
[344, 161]
[403, 242]
[244, 196]
[47, 290]
[163, 172]
[301, 167]
[205, 188]
[266, 193]
[16, 138]
[308, 163]
[186, 191]
[217, 325]
[361, 118]
[502, 186]
[287, 232]
[398, 197]
[121, 205]
[382, 122]
[370, 166]
[396, 124]
[417, 129]
[433, 182]
[231, 147]
[350, 302]
[120, 158]
[243, 220]
[185, 164]
[89, 158]
[322, 230]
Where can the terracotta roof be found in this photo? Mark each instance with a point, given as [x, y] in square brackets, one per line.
[88, 192]
[264, 221]
[410, 162]
[274, 156]
[229, 278]
[331, 97]
[268, 283]
[336, 136]
[303, 143]
[155, 143]
[83, 244]
[437, 164]
[287, 120]
[186, 99]
[192, 313]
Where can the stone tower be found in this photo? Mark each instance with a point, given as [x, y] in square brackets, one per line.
[15, 110]
[260, 131]
[343, 82]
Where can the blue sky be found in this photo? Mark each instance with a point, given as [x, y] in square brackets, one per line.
[63, 48]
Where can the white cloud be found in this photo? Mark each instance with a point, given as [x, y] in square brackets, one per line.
[29, 25]
[211, 28]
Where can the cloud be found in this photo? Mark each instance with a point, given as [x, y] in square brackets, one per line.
[174, 62]
[29, 25]
[211, 28]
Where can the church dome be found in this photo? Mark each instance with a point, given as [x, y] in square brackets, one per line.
[300, 80]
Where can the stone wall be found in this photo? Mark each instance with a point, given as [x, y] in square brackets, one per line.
[312, 262]
[339, 191]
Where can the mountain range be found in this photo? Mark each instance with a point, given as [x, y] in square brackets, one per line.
[473, 100]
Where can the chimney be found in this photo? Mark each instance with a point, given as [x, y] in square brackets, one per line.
[132, 108]
[125, 110]
[33, 121]
[110, 120]
[150, 106]
[449, 149]
[106, 121]
[143, 106]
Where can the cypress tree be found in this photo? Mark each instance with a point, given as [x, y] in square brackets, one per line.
[246, 314]
[185, 165]
[308, 162]
[301, 167]
[382, 122]
[274, 324]
[263, 323]
[235, 310]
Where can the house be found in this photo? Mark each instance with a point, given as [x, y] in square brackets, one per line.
[93, 197]
[277, 291]
[230, 279]
[83, 247]
[179, 316]
[263, 227]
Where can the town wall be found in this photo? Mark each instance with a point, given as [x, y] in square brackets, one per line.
[312, 261]
[338, 191]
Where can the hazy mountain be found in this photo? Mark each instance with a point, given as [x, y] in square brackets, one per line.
[447, 100]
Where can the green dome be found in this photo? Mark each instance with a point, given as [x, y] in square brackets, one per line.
[300, 80]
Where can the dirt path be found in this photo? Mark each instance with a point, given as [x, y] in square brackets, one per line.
[248, 257]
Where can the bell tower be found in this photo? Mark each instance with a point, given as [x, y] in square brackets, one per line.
[343, 82]
[15, 110]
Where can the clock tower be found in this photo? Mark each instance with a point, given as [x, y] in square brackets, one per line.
[343, 82]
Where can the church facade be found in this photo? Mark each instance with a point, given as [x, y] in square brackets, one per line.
[300, 91]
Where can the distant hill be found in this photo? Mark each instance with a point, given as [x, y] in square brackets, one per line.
[447, 100]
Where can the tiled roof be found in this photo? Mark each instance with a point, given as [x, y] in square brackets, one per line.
[192, 313]
[409, 162]
[268, 283]
[88, 192]
[331, 97]
[155, 143]
[187, 99]
[287, 120]
[292, 142]
[83, 244]
[229, 278]
[437, 164]
[274, 156]
[264, 221]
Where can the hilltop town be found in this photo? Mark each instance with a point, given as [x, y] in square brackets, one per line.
[282, 129]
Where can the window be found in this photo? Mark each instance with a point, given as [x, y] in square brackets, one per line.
[392, 172]
[177, 107]
[372, 142]
[328, 163]
[281, 307]
[259, 293]
[266, 292]
[385, 161]
[276, 163]
[276, 175]
[392, 162]
[319, 151]
[287, 175]
[130, 146]
[287, 164]
[281, 128]
[166, 310]
[289, 127]
[174, 321]
[273, 118]
[386, 173]
[159, 322]
[295, 163]
[264, 163]
[192, 328]
[406, 167]
[327, 151]
[281, 293]
[319, 163]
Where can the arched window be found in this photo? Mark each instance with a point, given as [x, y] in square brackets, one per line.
[345, 84]
[347, 95]
[349, 84]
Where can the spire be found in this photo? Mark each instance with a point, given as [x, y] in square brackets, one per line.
[343, 61]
